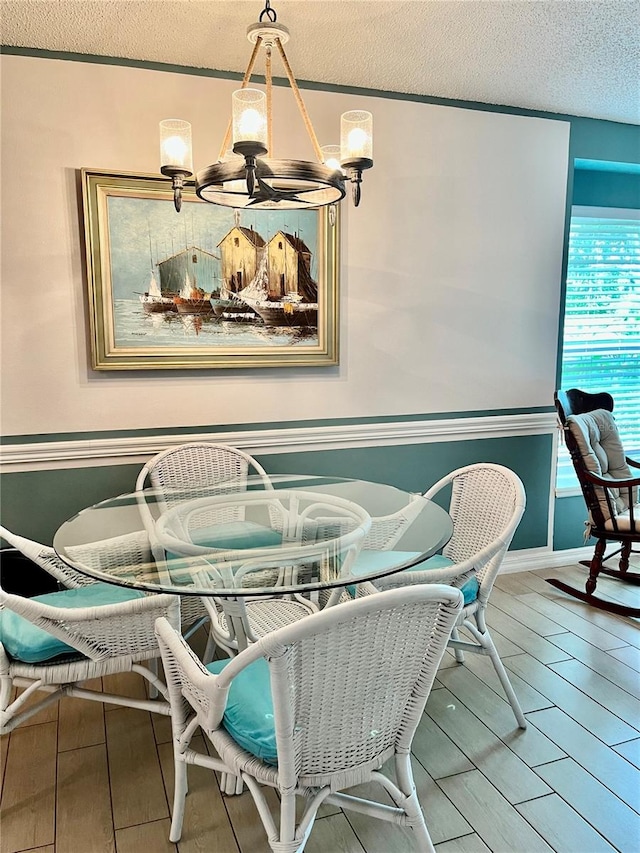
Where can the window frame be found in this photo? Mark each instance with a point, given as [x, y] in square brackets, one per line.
[566, 484]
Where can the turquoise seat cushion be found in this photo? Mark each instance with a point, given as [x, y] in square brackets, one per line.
[28, 643]
[370, 562]
[232, 536]
[236, 535]
[248, 716]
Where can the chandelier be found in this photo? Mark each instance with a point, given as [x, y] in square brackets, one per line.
[245, 174]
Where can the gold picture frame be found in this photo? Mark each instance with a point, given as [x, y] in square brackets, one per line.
[209, 287]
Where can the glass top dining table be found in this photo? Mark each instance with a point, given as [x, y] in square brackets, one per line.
[292, 534]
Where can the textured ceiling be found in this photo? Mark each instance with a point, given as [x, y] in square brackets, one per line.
[580, 57]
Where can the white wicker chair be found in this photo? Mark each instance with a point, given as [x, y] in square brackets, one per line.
[487, 503]
[198, 464]
[334, 720]
[198, 468]
[103, 639]
[192, 466]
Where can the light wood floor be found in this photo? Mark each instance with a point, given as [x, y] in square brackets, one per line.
[84, 779]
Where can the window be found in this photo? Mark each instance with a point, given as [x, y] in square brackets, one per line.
[601, 349]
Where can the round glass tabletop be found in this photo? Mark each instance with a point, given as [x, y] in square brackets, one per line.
[294, 534]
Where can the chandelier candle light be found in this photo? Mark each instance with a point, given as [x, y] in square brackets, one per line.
[252, 178]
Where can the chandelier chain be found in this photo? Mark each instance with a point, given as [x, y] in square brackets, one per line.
[269, 12]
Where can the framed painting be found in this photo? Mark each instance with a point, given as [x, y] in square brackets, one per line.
[209, 287]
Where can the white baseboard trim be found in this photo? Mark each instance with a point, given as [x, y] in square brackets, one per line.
[122, 451]
[543, 558]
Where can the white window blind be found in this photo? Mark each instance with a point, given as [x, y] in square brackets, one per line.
[601, 350]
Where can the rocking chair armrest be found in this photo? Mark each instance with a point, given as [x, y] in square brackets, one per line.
[632, 483]
[632, 462]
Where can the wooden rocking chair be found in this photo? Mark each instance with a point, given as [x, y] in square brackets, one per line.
[609, 489]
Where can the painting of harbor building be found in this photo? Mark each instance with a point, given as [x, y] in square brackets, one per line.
[239, 251]
[209, 287]
[192, 263]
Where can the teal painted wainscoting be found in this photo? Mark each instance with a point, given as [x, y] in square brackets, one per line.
[35, 503]
[416, 467]
[568, 523]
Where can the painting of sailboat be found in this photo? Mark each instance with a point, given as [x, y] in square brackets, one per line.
[262, 284]
[153, 301]
[192, 299]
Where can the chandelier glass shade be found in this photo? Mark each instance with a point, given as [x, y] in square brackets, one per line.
[246, 174]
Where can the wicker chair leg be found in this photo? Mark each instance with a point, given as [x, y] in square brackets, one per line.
[418, 824]
[507, 686]
[459, 654]
[153, 690]
[411, 805]
[179, 797]
[481, 635]
[231, 785]
[149, 672]
[5, 693]
[210, 649]
[287, 821]
[10, 714]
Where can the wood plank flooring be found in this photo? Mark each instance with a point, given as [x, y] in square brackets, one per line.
[81, 778]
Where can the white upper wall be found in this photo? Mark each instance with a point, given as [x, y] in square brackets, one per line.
[450, 271]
